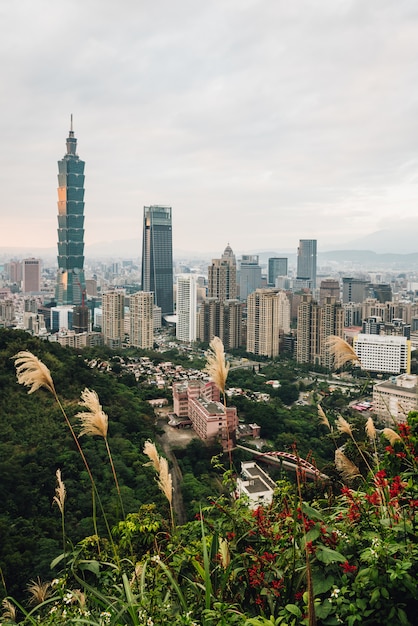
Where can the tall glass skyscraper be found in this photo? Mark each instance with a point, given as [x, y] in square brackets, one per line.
[157, 256]
[306, 262]
[70, 277]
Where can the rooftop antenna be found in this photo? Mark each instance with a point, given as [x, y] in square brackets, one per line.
[71, 122]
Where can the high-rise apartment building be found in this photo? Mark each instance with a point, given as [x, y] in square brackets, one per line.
[277, 266]
[70, 277]
[113, 318]
[141, 307]
[306, 263]
[315, 324]
[222, 276]
[31, 275]
[157, 256]
[186, 307]
[221, 319]
[268, 317]
[249, 275]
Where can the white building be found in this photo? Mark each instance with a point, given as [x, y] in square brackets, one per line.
[254, 483]
[393, 399]
[142, 320]
[383, 353]
[113, 318]
[186, 327]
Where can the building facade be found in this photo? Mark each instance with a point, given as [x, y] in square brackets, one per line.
[222, 276]
[268, 319]
[393, 399]
[113, 318]
[70, 276]
[383, 354]
[186, 303]
[31, 275]
[306, 262]
[249, 275]
[277, 266]
[157, 256]
[141, 307]
[315, 324]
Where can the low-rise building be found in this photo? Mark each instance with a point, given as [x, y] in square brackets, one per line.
[254, 483]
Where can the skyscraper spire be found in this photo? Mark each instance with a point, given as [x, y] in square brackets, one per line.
[70, 277]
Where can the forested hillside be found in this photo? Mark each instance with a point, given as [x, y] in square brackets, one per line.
[35, 442]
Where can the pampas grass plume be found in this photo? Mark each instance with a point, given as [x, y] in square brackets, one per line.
[31, 372]
[216, 366]
[391, 435]
[151, 452]
[341, 351]
[94, 421]
[347, 469]
[39, 591]
[343, 426]
[60, 493]
[322, 417]
[9, 610]
[370, 429]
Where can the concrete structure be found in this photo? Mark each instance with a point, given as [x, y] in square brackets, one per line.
[306, 262]
[186, 303]
[255, 484]
[31, 275]
[70, 276]
[268, 319]
[277, 266]
[157, 256]
[113, 318]
[385, 354]
[141, 308]
[393, 399]
[222, 277]
[249, 275]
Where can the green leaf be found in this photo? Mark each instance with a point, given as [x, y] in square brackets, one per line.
[326, 555]
[90, 566]
[322, 585]
[311, 512]
[375, 596]
[295, 610]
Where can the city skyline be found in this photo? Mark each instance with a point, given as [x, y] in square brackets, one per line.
[258, 122]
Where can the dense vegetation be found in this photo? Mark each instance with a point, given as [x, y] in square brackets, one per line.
[344, 552]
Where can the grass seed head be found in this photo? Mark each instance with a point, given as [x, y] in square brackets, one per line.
[32, 373]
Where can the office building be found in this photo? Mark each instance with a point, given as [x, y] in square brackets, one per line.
[306, 263]
[141, 307]
[157, 256]
[268, 319]
[249, 275]
[355, 289]
[186, 303]
[393, 399]
[383, 354]
[113, 318]
[277, 266]
[31, 275]
[222, 276]
[70, 277]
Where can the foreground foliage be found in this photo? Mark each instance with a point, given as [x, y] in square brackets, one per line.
[348, 557]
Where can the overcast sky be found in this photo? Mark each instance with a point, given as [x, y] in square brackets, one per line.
[259, 121]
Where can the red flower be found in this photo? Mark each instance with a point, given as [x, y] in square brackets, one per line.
[347, 568]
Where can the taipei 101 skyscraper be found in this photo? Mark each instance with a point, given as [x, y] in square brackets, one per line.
[70, 278]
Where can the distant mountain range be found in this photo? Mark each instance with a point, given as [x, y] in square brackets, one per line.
[397, 247]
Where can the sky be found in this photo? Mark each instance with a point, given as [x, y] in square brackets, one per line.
[260, 122]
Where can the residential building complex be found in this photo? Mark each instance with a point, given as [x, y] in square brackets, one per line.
[113, 318]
